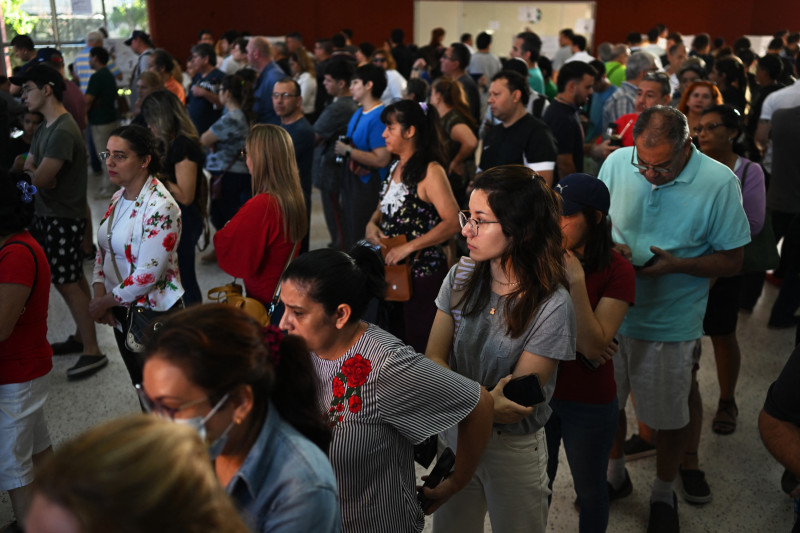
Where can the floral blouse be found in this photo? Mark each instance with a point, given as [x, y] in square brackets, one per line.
[152, 253]
[405, 213]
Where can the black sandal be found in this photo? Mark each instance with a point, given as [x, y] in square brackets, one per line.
[724, 422]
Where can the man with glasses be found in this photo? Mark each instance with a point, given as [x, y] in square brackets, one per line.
[678, 218]
[56, 165]
[288, 104]
[454, 63]
[623, 101]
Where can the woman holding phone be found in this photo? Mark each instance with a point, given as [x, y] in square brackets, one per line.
[505, 312]
[585, 409]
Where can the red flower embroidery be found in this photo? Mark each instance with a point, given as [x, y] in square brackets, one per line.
[356, 369]
[355, 404]
[108, 211]
[340, 407]
[128, 253]
[127, 281]
[169, 241]
[339, 419]
[145, 279]
[338, 387]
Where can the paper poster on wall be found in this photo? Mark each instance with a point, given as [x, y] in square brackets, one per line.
[494, 25]
[584, 26]
[531, 14]
[81, 7]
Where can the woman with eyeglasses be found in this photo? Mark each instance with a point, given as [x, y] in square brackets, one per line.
[417, 202]
[395, 82]
[230, 178]
[505, 313]
[137, 252]
[251, 394]
[697, 97]
[256, 243]
[717, 132]
[379, 396]
[182, 174]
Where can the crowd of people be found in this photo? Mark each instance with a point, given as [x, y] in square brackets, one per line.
[571, 279]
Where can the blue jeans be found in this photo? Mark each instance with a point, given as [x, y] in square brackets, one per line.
[192, 228]
[588, 432]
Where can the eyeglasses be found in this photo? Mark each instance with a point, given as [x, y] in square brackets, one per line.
[118, 158]
[447, 57]
[379, 60]
[27, 88]
[473, 224]
[658, 170]
[278, 96]
[710, 127]
[158, 408]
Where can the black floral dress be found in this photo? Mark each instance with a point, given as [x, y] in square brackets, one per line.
[404, 213]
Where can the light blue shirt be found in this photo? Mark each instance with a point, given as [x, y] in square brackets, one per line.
[286, 484]
[696, 214]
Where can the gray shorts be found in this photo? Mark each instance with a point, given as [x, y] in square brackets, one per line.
[659, 374]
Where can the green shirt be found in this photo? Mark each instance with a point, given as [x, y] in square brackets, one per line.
[615, 72]
[61, 140]
[104, 89]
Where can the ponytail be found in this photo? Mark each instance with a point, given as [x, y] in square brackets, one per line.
[333, 277]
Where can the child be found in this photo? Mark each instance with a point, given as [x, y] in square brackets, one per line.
[20, 146]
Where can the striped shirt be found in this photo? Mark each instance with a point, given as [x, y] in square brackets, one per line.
[84, 71]
[381, 398]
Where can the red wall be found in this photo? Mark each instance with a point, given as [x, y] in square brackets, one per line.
[174, 24]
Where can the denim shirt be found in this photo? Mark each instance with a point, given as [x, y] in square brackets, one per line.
[286, 483]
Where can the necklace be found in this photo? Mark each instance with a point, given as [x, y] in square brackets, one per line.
[120, 216]
[507, 284]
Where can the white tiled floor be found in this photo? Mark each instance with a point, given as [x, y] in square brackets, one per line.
[744, 478]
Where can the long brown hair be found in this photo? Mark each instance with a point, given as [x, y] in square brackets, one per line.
[529, 212]
[453, 95]
[274, 171]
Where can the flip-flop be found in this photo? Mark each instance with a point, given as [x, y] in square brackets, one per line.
[724, 422]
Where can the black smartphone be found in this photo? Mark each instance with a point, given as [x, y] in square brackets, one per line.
[441, 470]
[525, 390]
[650, 262]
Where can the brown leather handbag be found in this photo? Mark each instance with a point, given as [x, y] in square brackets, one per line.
[398, 277]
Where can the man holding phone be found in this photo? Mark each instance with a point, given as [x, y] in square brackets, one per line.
[673, 203]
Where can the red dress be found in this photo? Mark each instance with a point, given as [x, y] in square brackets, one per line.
[252, 246]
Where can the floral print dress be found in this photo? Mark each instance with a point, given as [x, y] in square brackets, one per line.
[405, 213]
[151, 255]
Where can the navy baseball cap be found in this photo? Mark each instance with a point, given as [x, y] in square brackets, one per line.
[582, 190]
[138, 34]
[42, 75]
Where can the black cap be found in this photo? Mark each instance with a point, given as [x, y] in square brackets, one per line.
[138, 34]
[582, 190]
[42, 75]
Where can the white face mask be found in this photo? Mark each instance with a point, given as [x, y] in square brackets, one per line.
[199, 424]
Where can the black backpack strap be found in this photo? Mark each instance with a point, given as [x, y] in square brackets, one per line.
[35, 264]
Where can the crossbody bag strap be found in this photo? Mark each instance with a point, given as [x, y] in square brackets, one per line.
[35, 266]
[744, 174]
[276, 295]
[109, 224]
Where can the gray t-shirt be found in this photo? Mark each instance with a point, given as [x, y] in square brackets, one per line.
[231, 132]
[62, 140]
[327, 174]
[484, 352]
